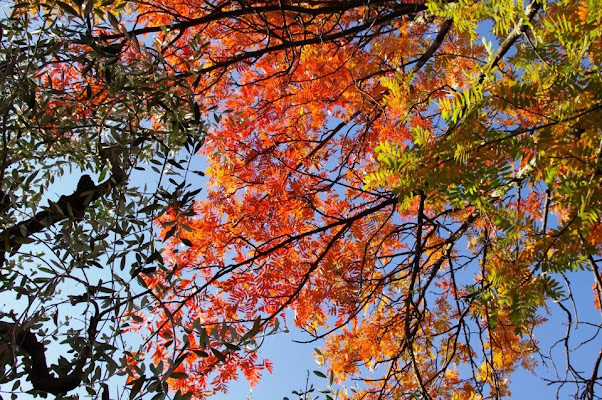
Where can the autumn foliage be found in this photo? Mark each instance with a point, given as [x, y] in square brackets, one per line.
[406, 180]
[411, 181]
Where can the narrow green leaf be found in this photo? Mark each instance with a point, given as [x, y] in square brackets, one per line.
[113, 20]
[136, 387]
[219, 355]
[67, 8]
[179, 375]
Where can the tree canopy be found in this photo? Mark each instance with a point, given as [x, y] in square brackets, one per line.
[75, 231]
[413, 184]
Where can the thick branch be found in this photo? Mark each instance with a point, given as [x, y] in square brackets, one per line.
[519, 29]
[72, 206]
[318, 39]
[39, 373]
[445, 27]
[220, 15]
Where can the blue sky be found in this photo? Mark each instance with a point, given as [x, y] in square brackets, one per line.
[292, 361]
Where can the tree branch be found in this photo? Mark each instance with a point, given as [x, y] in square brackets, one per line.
[445, 27]
[332, 8]
[512, 37]
[16, 335]
[72, 206]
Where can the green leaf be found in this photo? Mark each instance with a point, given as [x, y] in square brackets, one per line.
[187, 396]
[170, 232]
[113, 20]
[136, 386]
[200, 353]
[175, 163]
[67, 8]
[219, 355]
[179, 375]
[231, 346]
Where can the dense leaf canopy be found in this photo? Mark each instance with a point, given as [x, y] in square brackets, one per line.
[414, 184]
[75, 230]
